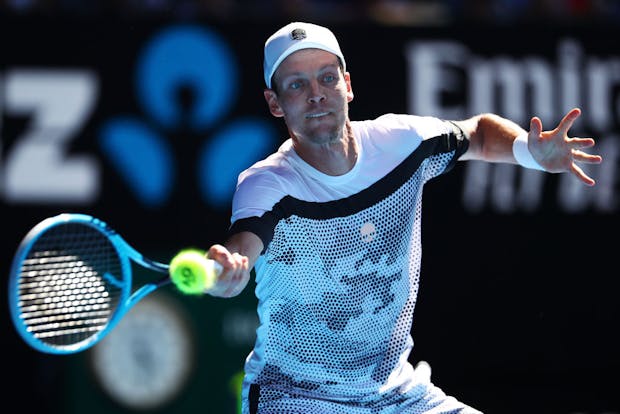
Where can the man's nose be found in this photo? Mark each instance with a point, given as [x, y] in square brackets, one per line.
[315, 93]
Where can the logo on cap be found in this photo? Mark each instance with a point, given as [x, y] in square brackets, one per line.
[298, 34]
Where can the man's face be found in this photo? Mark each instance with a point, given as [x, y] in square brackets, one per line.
[313, 96]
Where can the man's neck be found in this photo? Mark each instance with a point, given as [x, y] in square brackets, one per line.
[336, 158]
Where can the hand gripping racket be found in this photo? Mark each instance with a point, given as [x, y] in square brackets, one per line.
[71, 282]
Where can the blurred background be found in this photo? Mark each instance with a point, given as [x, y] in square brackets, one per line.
[142, 113]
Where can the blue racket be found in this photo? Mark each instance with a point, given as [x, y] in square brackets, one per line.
[71, 282]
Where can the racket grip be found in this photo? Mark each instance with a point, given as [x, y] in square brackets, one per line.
[217, 267]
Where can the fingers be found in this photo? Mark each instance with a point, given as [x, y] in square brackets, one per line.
[577, 143]
[563, 153]
[581, 142]
[235, 280]
[235, 274]
[587, 158]
[218, 253]
[567, 122]
[578, 172]
[580, 156]
[221, 255]
[237, 277]
[536, 126]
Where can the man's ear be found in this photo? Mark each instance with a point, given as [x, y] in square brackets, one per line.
[347, 80]
[272, 103]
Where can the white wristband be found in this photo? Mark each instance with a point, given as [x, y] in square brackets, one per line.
[523, 155]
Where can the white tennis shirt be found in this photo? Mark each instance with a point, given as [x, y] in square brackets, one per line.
[338, 278]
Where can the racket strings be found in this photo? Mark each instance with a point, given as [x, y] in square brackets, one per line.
[70, 284]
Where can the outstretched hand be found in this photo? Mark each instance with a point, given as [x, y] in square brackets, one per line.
[556, 152]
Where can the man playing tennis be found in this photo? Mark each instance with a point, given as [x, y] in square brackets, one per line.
[331, 225]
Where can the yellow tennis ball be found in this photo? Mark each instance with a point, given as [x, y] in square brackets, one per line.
[191, 272]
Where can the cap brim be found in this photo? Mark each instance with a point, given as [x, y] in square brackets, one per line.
[294, 48]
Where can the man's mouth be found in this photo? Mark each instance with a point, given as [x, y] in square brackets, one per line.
[319, 115]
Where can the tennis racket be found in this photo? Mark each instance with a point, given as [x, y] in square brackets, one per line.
[71, 282]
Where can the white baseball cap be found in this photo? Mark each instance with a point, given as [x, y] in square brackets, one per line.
[293, 37]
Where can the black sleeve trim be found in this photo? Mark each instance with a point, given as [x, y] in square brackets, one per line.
[263, 227]
[458, 142]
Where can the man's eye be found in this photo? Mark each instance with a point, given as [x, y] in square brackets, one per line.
[329, 78]
[295, 85]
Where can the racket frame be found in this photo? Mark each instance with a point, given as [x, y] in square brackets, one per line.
[126, 254]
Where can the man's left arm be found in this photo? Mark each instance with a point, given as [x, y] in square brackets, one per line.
[496, 139]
